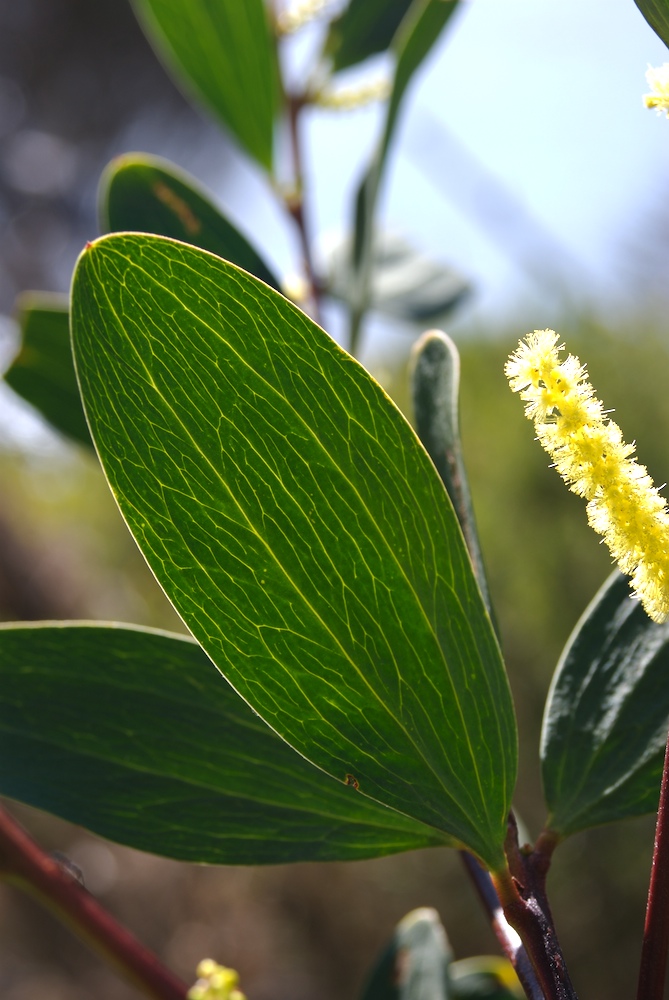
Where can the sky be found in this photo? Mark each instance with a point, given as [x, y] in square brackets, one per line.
[547, 96]
[525, 159]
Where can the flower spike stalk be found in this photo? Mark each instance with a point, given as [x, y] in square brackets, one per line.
[588, 451]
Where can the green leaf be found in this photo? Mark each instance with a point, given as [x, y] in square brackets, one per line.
[133, 733]
[418, 965]
[291, 516]
[364, 28]
[43, 372]
[223, 54]
[415, 37]
[147, 194]
[415, 964]
[139, 192]
[607, 715]
[404, 283]
[656, 13]
[484, 977]
[435, 384]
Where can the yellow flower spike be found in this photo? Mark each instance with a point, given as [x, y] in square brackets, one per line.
[590, 454]
[658, 81]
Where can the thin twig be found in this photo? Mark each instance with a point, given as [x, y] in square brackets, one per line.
[509, 940]
[295, 203]
[652, 971]
[24, 863]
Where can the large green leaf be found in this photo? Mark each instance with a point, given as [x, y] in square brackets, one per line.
[607, 715]
[415, 37]
[656, 13]
[223, 54]
[42, 372]
[133, 734]
[364, 28]
[299, 528]
[147, 194]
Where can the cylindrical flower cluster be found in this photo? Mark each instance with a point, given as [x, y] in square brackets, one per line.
[589, 453]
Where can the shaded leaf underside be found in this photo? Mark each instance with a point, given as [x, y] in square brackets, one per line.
[607, 715]
[147, 194]
[133, 734]
[43, 370]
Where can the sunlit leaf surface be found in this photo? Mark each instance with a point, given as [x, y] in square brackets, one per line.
[299, 528]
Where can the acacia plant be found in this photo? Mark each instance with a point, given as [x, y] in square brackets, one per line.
[343, 693]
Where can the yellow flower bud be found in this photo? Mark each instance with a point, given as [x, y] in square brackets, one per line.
[299, 13]
[350, 98]
[658, 81]
[215, 982]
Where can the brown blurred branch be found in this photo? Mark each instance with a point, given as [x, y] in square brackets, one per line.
[509, 941]
[294, 202]
[653, 970]
[25, 864]
[26, 594]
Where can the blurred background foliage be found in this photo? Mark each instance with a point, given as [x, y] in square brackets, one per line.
[78, 84]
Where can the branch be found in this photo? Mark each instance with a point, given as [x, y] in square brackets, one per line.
[295, 203]
[24, 863]
[509, 940]
[521, 891]
[652, 971]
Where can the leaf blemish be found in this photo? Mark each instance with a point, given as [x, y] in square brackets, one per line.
[353, 782]
[183, 212]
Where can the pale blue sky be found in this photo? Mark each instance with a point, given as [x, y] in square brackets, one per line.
[540, 101]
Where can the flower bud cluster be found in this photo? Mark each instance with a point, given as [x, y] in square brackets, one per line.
[298, 14]
[215, 982]
[350, 98]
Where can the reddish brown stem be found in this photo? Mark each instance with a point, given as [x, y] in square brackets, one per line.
[521, 891]
[295, 203]
[652, 972]
[508, 938]
[24, 863]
